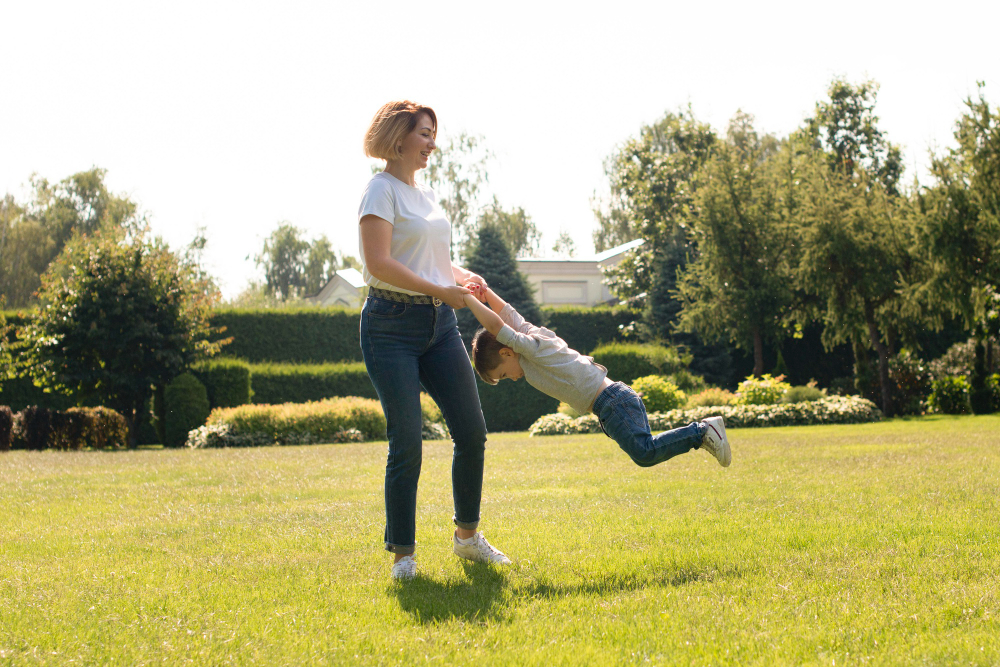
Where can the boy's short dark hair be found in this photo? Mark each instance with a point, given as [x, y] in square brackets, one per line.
[486, 354]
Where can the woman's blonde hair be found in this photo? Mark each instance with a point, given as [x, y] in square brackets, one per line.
[393, 122]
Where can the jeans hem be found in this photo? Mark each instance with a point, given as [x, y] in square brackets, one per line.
[399, 549]
[465, 525]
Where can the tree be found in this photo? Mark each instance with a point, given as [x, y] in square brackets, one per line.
[119, 315]
[294, 266]
[564, 246]
[456, 173]
[514, 226]
[492, 258]
[33, 234]
[738, 288]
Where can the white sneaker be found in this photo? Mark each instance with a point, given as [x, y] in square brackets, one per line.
[715, 442]
[404, 568]
[479, 550]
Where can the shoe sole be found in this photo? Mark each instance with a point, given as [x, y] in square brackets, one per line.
[727, 454]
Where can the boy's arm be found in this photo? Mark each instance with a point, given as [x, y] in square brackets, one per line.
[490, 320]
[494, 301]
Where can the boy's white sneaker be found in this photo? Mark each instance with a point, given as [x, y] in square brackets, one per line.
[715, 442]
[477, 549]
[404, 568]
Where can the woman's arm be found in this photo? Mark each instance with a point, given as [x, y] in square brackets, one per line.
[463, 276]
[376, 241]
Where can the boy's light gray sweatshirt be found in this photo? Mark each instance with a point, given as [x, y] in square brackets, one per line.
[549, 364]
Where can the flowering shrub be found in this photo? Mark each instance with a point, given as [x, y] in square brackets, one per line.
[829, 410]
[659, 393]
[802, 393]
[709, 397]
[765, 390]
[950, 395]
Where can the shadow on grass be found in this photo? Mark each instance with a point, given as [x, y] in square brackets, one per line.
[488, 594]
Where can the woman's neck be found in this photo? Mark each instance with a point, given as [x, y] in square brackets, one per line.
[400, 171]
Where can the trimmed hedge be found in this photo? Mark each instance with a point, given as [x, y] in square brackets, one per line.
[831, 410]
[299, 335]
[185, 408]
[627, 361]
[513, 406]
[19, 393]
[227, 381]
[274, 384]
[584, 329]
[38, 428]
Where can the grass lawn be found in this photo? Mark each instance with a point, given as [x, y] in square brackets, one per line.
[868, 544]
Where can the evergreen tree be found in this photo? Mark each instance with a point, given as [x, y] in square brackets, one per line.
[492, 258]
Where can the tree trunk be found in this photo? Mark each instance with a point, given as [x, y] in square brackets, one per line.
[883, 360]
[758, 353]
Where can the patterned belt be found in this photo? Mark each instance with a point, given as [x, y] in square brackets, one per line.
[391, 295]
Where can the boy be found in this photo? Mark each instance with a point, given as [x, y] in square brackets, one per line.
[509, 348]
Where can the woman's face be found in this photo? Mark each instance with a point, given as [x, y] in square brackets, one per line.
[417, 146]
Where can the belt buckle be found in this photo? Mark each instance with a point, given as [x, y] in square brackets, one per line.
[437, 302]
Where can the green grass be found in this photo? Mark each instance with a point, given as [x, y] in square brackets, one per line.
[867, 544]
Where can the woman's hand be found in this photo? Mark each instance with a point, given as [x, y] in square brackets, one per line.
[454, 296]
[463, 276]
[477, 290]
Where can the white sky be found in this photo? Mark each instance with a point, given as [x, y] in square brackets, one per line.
[236, 116]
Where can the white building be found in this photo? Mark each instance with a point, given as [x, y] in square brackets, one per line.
[346, 289]
[575, 281]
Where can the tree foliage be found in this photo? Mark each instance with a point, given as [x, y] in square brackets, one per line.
[295, 266]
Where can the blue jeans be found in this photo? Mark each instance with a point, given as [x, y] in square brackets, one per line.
[623, 418]
[408, 346]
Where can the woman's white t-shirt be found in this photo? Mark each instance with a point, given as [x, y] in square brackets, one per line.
[421, 233]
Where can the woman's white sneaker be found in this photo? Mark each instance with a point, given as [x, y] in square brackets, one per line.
[715, 442]
[477, 549]
[404, 568]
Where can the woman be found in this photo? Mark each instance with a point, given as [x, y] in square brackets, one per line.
[409, 333]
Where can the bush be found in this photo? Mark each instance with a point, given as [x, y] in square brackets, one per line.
[627, 361]
[911, 382]
[688, 382]
[103, 428]
[960, 359]
[331, 420]
[274, 384]
[802, 394]
[68, 429]
[659, 393]
[6, 425]
[765, 390]
[710, 397]
[227, 382]
[829, 410]
[584, 328]
[306, 335]
[32, 428]
[185, 408]
[950, 395]
[513, 406]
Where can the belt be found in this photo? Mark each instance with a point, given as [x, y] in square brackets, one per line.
[392, 295]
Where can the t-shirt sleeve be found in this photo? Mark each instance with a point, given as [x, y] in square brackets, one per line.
[378, 200]
[513, 318]
[519, 342]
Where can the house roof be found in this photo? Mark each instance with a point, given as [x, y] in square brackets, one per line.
[599, 257]
[352, 276]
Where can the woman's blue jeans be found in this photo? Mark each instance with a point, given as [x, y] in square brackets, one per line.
[408, 346]
[623, 417]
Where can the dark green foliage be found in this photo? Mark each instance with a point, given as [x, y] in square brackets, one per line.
[950, 395]
[980, 392]
[513, 406]
[20, 392]
[291, 383]
[911, 383]
[493, 260]
[186, 408]
[627, 361]
[104, 428]
[584, 328]
[802, 393]
[687, 381]
[227, 381]
[32, 428]
[6, 425]
[68, 429]
[307, 335]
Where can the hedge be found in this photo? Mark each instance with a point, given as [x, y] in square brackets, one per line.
[831, 410]
[38, 428]
[513, 406]
[300, 383]
[627, 361]
[185, 408]
[299, 335]
[585, 328]
[227, 381]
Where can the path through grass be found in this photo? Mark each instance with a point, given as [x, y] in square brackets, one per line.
[868, 544]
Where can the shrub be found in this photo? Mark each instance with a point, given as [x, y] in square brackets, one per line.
[765, 390]
[659, 393]
[829, 410]
[709, 397]
[6, 425]
[104, 428]
[68, 429]
[584, 328]
[274, 384]
[513, 406]
[32, 428]
[911, 383]
[185, 405]
[306, 335]
[21, 392]
[291, 423]
[627, 361]
[802, 394]
[687, 381]
[993, 382]
[950, 395]
[227, 381]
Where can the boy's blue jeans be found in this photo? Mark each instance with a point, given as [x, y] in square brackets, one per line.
[623, 417]
[408, 346]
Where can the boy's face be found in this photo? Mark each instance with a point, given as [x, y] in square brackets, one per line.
[509, 368]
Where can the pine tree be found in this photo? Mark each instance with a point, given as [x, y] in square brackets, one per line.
[491, 258]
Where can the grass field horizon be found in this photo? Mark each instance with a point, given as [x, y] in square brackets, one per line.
[862, 544]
